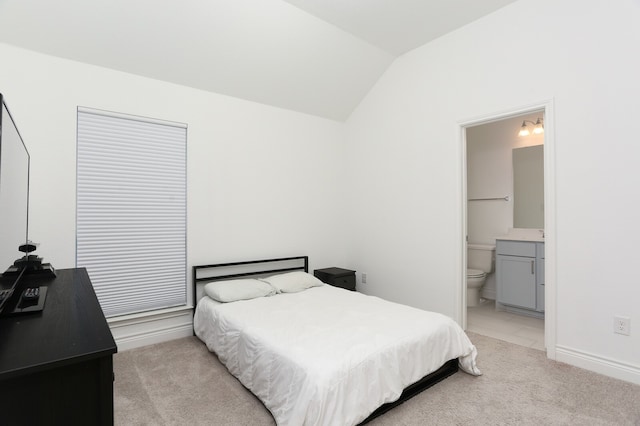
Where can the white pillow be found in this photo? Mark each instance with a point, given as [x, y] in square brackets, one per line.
[232, 290]
[292, 282]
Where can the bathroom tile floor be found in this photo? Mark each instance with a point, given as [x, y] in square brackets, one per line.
[518, 329]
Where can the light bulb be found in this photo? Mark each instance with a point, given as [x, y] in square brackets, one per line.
[538, 129]
[524, 131]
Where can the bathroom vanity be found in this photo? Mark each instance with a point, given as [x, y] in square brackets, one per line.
[520, 275]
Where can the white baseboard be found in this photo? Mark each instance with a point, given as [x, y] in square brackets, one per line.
[597, 364]
[152, 327]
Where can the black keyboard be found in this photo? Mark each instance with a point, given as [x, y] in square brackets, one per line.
[4, 296]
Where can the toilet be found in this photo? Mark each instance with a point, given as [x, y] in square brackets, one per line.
[480, 261]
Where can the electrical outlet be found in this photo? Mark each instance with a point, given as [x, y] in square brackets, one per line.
[364, 278]
[622, 325]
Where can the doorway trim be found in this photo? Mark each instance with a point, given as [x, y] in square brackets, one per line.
[549, 213]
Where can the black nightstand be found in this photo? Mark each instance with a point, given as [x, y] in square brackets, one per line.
[337, 277]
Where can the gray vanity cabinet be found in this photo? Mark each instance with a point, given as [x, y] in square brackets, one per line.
[540, 277]
[520, 275]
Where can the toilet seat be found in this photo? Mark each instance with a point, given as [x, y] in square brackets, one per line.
[475, 273]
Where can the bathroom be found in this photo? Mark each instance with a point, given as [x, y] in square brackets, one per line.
[505, 201]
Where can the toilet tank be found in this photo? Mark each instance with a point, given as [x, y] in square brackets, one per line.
[481, 256]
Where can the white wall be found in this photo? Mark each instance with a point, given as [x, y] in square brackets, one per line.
[262, 181]
[405, 152]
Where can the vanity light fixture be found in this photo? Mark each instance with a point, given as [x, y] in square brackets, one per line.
[538, 128]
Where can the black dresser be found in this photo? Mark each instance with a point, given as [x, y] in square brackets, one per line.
[338, 277]
[56, 366]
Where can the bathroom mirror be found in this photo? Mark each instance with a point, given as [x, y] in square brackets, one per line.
[528, 187]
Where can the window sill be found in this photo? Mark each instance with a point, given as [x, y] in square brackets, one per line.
[149, 316]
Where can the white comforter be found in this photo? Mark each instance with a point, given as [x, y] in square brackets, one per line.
[327, 356]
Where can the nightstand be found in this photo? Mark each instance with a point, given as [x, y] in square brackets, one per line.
[337, 277]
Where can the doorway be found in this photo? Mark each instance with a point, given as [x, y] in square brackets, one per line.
[488, 206]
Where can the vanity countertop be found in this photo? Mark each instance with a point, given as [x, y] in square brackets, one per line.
[523, 234]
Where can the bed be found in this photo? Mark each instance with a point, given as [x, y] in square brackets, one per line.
[315, 354]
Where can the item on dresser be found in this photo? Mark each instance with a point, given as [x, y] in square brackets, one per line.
[307, 354]
[338, 277]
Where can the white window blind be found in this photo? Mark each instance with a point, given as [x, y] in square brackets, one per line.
[131, 210]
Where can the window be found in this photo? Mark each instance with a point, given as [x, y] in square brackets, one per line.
[131, 210]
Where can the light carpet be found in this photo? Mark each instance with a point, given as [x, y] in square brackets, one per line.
[180, 382]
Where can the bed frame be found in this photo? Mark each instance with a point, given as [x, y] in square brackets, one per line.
[203, 274]
[450, 367]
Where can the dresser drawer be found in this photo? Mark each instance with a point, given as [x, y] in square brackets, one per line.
[348, 282]
[516, 248]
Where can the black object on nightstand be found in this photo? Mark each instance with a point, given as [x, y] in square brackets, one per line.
[337, 277]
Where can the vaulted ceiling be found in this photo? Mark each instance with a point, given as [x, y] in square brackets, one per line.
[312, 56]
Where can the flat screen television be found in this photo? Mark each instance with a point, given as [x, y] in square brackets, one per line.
[14, 200]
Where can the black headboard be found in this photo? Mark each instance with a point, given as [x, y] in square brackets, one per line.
[251, 268]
